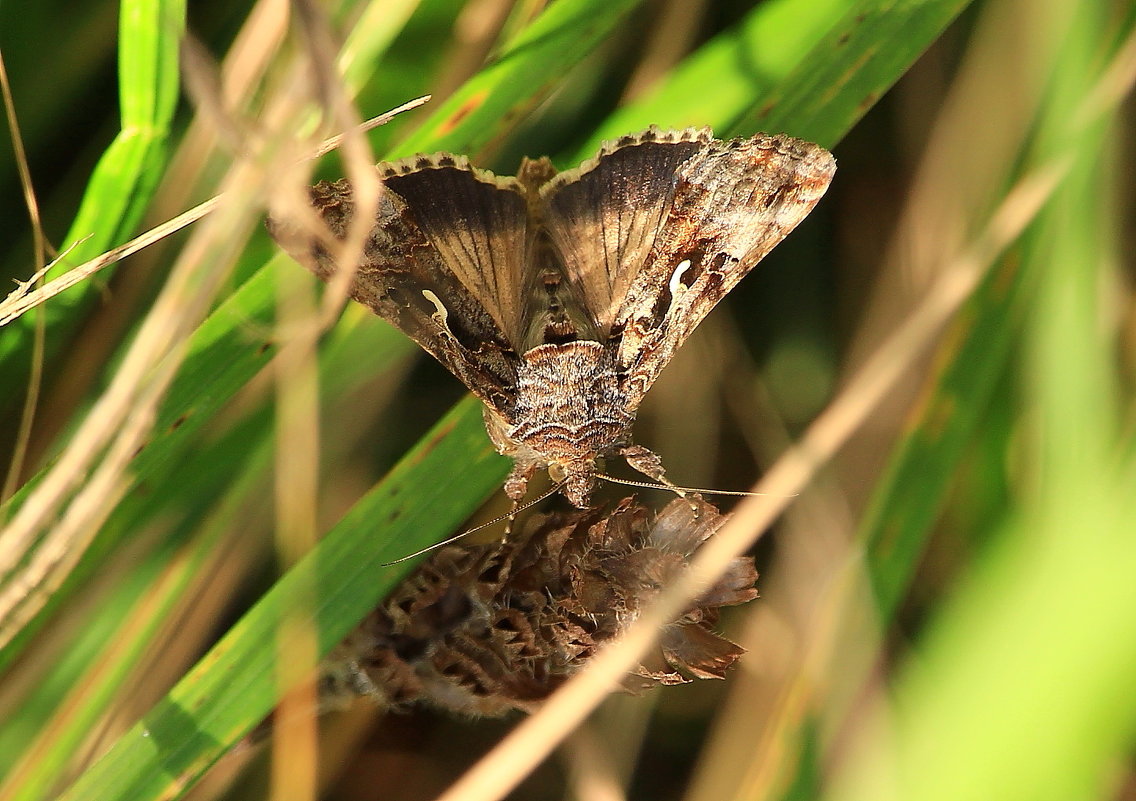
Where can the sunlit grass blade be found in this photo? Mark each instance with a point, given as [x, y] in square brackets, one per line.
[518, 78]
[827, 93]
[716, 84]
[800, 68]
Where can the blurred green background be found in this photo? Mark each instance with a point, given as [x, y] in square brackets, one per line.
[947, 612]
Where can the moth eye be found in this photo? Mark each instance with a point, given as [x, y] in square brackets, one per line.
[557, 472]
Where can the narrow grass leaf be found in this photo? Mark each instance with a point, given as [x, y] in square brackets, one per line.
[232, 688]
[122, 183]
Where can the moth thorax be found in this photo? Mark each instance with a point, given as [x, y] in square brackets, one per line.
[569, 385]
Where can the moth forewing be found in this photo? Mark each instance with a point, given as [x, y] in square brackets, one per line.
[413, 274]
[605, 216]
[732, 204]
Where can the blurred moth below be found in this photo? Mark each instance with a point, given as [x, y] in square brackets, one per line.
[486, 629]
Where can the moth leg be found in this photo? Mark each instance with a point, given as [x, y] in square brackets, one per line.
[518, 481]
[649, 464]
[516, 485]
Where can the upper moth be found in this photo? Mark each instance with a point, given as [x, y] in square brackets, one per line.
[558, 298]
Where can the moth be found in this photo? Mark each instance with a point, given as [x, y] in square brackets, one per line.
[486, 629]
[557, 298]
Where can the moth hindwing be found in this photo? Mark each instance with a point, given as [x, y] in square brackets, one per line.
[558, 298]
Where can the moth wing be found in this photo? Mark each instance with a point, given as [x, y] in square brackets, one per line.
[443, 263]
[604, 216]
[477, 223]
[731, 205]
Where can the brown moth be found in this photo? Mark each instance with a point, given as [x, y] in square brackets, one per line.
[485, 629]
[558, 298]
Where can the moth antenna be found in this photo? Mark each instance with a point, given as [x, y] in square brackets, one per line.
[676, 488]
[510, 516]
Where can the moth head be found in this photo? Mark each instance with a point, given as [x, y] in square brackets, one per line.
[577, 476]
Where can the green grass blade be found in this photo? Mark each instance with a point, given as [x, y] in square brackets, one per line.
[122, 183]
[910, 495]
[808, 69]
[717, 84]
[517, 79]
[92, 675]
[233, 687]
[377, 27]
[874, 41]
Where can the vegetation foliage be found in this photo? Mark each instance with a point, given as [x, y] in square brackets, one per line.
[209, 465]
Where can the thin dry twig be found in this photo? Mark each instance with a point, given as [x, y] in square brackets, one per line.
[39, 253]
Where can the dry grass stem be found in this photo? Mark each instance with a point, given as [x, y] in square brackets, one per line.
[21, 301]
